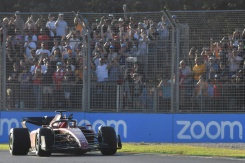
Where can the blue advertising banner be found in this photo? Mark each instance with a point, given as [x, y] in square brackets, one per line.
[131, 127]
[208, 128]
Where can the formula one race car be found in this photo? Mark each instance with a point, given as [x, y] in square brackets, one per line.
[60, 134]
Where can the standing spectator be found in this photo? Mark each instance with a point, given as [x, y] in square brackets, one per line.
[199, 69]
[32, 34]
[184, 83]
[164, 88]
[114, 70]
[5, 24]
[223, 72]
[234, 62]
[79, 85]
[56, 45]
[61, 26]
[142, 46]
[68, 54]
[138, 89]
[79, 25]
[43, 52]
[30, 24]
[57, 80]
[218, 93]
[96, 59]
[43, 37]
[201, 93]
[163, 28]
[48, 89]
[68, 84]
[13, 84]
[37, 83]
[131, 32]
[74, 41]
[11, 28]
[51, 26]
[56, 57]
[18, 22]
[191, 56]
[29, 45]
[240, 80]
[112, 53]
[41, 23]
[37, 63]
[211, 68]
[10, 99]
[108, 34]
[231, 93]
[25, 84]
[123, 54]
[102, 71]
[210, 98]
[153, 37]
[19, 48]
[69, 64]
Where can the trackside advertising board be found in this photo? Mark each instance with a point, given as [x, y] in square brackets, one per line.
[169, 128]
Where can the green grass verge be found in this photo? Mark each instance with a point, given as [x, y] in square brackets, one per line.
[177, 149]
[181, 150]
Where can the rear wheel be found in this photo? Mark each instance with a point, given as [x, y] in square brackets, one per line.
[107, 141]
[19, 141]
[48, 138]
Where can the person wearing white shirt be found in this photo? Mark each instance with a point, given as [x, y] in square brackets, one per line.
[102, 71]
[35, 65]
[29, 45]
[51, 25]
[56, 45]
[74, 41]
[34, 37]
[43, 52]
[61, 26]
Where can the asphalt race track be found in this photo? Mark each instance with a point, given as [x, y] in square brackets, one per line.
[96, 157]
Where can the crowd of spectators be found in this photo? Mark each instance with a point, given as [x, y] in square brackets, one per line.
[215, 75]
[45, 64]
[45, 57]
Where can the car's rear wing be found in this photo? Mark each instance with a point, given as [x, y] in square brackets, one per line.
[39, 121]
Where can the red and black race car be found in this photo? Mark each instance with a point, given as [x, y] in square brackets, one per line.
[60, 134]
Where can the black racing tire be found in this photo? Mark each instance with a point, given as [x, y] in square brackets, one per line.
[49, 139]
[107, 141]
[19, 141]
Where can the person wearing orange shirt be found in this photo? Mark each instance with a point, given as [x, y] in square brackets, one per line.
[198, 69]
[78, 25]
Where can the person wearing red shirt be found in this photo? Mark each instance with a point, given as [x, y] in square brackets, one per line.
[37, 81]
[43, 37]
[58, 77]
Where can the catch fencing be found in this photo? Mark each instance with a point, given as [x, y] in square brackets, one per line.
[140, 72]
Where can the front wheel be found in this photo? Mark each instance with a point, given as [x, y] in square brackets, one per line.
[107, 140]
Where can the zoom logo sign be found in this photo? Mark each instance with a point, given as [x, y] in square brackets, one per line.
[8, 123]
[213, 130]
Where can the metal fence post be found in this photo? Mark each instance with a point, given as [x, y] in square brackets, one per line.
[3, 74]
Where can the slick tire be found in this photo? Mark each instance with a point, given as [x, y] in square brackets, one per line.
[19, 141]
[107, 141]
